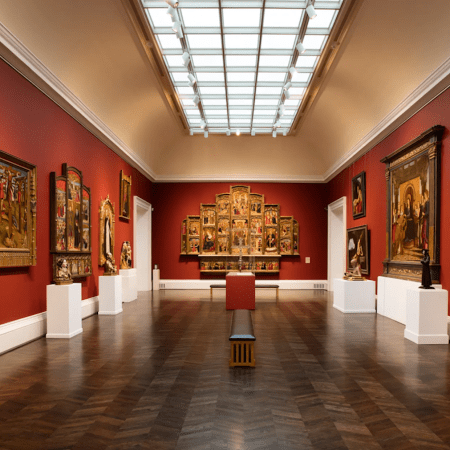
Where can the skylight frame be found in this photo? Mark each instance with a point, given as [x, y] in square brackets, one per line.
[225, 97]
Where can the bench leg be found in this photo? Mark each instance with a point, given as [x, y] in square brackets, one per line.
[210, 293]
[277, 293]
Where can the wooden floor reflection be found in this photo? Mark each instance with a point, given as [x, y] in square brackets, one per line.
[157, 377]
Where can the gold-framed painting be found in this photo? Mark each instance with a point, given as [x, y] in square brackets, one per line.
[17, 212]
[106, 231]
[413, 189]
[358, 245]
[125, 196]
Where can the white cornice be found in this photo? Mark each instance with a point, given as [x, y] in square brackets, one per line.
[432, 86]
[242, 177]
[14, 52]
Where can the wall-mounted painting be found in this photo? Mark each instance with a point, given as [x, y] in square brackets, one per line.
[17, 212]
[412, 177]
[106, 231]
[125, 196]
[359, 195]
[358, 245]
[70, 221]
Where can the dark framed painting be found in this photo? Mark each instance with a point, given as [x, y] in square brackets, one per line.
[413, 192]
[125, 196]
[358, 244]
[17, 212]
[359, 195]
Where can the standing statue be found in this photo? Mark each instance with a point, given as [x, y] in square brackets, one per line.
[426, 274]
[63, 275]
[125, 255]
[110, 268]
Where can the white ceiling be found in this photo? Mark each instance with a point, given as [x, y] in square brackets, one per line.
[92, 49]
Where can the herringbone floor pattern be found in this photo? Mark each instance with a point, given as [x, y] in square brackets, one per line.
[157, 377]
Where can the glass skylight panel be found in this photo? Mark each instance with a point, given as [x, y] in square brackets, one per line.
[241, 41]
[206, 60]
[214, 102]
[240, 102]
[187, 102]
[240, 112]
[266, 102]
[287, 18]
[263, 121]
[297, 91]
[241, 17]
[280, 61]
[240, 90]
[278, 41]
[180, 77]
[265, 112]
[169, 41]
[174, 60]
[289, 112]
[240, 60]
[185, 90]
[194, 120]
[210, 77]
[223, 122]
[192, 112]
[268, 90]
[243, 77]
[206, 41]
[212, 90]
[306, 61]
[301, 77]
[200, 17]
[159, 17]
[291, 102]
[215, 112]
[323, 20]
[314, 41]
[272, 77]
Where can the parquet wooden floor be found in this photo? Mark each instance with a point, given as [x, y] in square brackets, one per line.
[157, 377]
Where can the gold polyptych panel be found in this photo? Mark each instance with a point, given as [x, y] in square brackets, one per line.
[272, 229]
[17, 212]
[286, 235]
[208, 228]
[183, 236]
[296, 237]
[193, 235]
[223, 204]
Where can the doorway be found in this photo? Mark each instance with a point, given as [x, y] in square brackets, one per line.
[142, 243]
[337, 228]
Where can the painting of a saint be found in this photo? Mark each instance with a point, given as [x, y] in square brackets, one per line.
[359, 195]
[209, 240]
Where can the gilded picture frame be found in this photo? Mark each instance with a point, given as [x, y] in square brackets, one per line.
[413, 206]
[125, 196]
[17, 212]
[358, 244]
[106, 230]
[359, 195]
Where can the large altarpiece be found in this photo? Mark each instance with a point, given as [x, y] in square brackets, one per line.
[239, 222]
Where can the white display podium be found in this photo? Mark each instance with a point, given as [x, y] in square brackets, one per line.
[156, 279]
[110, 295]
[129, 285]
[354, 296]
[63, 311]
[426, 316]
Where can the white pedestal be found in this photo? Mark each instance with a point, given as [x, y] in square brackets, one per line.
[129, 284]
[392, 293]
[156, 279]
[110, 295]
[64, 310]
[426, 316]
[354, 296]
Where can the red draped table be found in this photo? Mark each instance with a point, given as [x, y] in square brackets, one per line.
[240, 290]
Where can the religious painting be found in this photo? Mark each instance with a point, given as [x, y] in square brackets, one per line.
[125, 196]
[222, 244]
[358, 246]
[257, 245]
[194, 245]
[286, 235]
[359, 195]
[271, 213]
[223, 226]
[296, 238]
[183, 236]
[107, 231]
[412, 175]
[239, 236]
[208, 215]
[271, 227]
[209, 240]
[70, 221]
[223, 204]
[257, 225]
[240, 200]
[193, 235]
[256, 204]
[17, 212]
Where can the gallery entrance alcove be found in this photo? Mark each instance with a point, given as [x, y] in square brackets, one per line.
[142, 241]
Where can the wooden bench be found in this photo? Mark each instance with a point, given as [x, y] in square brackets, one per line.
[265, 286]
[242, 339]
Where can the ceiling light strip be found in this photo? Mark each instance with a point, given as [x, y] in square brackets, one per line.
[224, 62]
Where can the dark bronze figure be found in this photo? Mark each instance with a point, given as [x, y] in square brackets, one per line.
[426, 274]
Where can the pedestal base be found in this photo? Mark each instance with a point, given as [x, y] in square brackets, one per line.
[156, 279]
[354, 296]
[426, 316]
[129, 284]
[110, 295]
[63, 311]
[240, 290]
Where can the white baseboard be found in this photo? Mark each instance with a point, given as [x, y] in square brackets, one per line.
[205, 284]
[19, 332]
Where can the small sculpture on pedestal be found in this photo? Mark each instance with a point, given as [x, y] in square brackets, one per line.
[110, 268]
[355, 274]
[426, 274]
[125, 256]
[62, 272]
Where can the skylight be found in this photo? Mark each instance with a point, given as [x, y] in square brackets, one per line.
[231, 64]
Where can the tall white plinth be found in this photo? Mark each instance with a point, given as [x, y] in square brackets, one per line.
[64, 310]
[129, 284]
[426, 316]
[156, 279]
[354, 296]
[110, 295]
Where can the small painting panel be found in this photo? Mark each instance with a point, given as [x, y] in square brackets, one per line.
[239, 236]
[358, 246]
[223, 204]
[296, 238]
[257, 204]
[359, 195]
[125, 196]
[183, 236]
[240, 200]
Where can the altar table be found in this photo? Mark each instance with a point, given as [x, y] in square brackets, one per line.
[240, 290]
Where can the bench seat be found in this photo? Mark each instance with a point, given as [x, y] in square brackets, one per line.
[265, 286]
[242, 339]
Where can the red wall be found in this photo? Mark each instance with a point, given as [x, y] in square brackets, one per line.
[435, 113]
[306, 202]
[35, 129]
